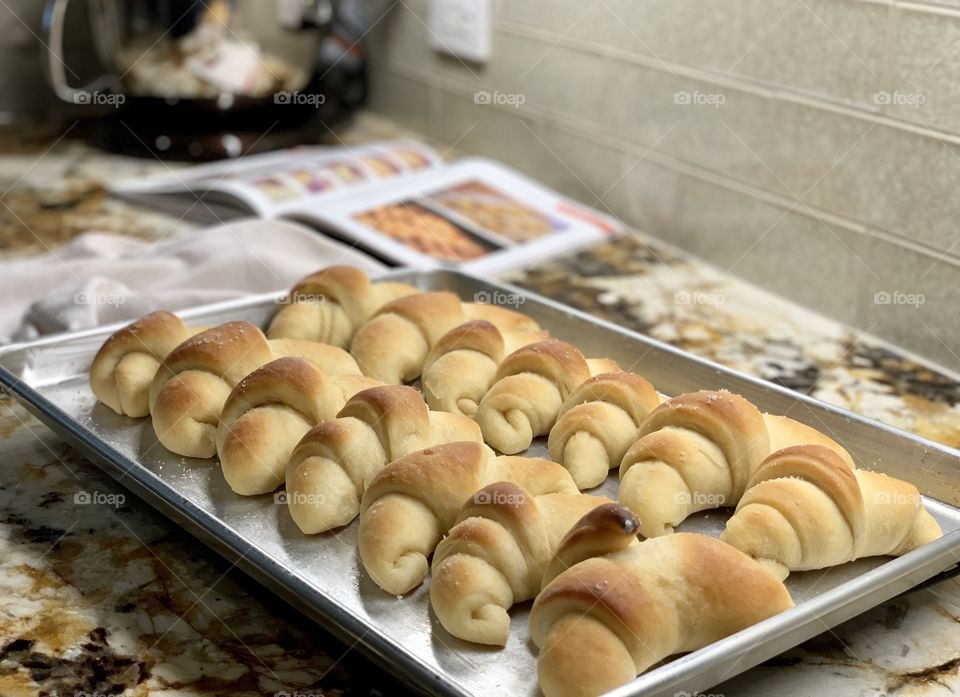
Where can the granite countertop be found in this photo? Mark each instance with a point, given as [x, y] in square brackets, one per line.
[111, 598]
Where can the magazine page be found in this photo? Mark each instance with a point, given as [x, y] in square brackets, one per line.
[475, 214]
[294, 177]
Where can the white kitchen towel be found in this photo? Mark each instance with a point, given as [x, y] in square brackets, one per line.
[101, 278]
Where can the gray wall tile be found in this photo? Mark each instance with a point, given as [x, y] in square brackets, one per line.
[924, 87]
[828, 48]
[809, 260]
[662, 33]
[888, 178]
[912, 300]
[401, 98]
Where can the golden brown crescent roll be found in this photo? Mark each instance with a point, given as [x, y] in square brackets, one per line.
[807, 508]
[413, 501]
[598, 422]
[123, 368]
[496, 555]
[335, 461]
[529, 389]
[698, 451]
[188, 392]
[608, 528]
[605, 620]
[329, 305]
[462, 365]
[267, 414]
[392, 346]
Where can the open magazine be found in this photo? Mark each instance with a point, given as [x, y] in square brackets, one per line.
[398, 201]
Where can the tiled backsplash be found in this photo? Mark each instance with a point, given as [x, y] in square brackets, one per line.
[812, 146]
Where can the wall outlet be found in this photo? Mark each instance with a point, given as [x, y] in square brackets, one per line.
[460, 28]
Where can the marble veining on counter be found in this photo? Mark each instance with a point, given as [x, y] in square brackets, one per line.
[100, 595]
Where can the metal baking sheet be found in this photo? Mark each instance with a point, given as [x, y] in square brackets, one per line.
[321, 575]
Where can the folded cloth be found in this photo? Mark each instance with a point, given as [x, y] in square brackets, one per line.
[101, 278]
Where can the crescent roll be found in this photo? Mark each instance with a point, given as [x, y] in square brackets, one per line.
[329, 305]
[598, 422]
[125, 365]
[188, 392]
[807, 508]
[336, 460]
[462, 365]
[496, 556]
[698, 451]
[413, 501]
[606, 619]
[267, 414]
[393, 345]
[531, 386]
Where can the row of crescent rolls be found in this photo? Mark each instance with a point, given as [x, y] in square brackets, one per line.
[800, 501]
[490, 363]
[182, 377]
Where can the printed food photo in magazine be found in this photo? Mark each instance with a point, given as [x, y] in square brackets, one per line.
[397, 200]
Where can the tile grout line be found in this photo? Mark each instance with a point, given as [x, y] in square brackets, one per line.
[613, 142]
[781, 93]
[856, 110]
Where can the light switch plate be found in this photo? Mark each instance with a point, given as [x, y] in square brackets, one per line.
[460, 28]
